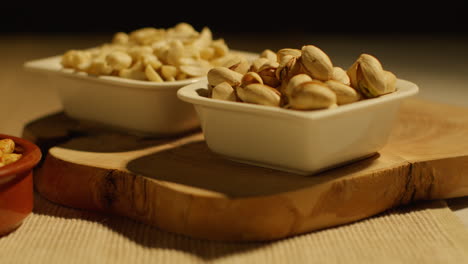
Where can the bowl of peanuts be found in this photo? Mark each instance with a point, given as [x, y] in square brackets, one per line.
[293, 110]
[18, 157]
[131, 82]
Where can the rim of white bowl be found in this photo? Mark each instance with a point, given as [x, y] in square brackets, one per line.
[189, 94]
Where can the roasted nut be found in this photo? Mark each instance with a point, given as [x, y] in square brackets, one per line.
[76, 59]
[257, 93]
[301, 79]
[137, 52]
[316, 63]
[151, 59]
[224, 91]
[296, 81]
[269, 54]
[234, 62]
[152, 75]
[311, 95]
[218, 75]
[287, 52]
[118, 60]
[258, 63]
[169, 72]
[155, 47]
[288, 67]
[251, 77]
[99, 66]
[367, 76]
[344, 93]
[267, 73]
[120, 38]
[7, 147]
[136, 72]
[340, 75]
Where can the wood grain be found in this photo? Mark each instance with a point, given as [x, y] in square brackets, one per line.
[179, 185]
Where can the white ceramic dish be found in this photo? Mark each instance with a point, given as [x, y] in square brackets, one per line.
[303, 142]
[139, 107]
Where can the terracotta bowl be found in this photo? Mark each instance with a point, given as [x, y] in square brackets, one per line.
[16, 185]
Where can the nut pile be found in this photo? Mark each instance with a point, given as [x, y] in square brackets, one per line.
[302, 79]
[153, 54]
[7, 155]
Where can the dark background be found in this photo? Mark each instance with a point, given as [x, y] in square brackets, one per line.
[379, 17]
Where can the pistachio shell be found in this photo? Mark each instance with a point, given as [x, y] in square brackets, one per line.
[251, 77]
[287, 52]
[257, 63]
[340, 75]
[344, 93]
[269, 54]
[257, 93]
[268, 76]
[224, 91]
[295, 81]
[288, 67]
[316, 63]
[311, 95]
[218, 75]
[367, 76]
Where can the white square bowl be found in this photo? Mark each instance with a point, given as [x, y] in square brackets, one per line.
[304, 142]
[134, 106]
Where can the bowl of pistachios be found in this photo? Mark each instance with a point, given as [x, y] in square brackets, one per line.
[293, 110]
[130, 83]
[18, 157]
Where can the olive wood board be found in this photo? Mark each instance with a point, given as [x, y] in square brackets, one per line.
[177, 184]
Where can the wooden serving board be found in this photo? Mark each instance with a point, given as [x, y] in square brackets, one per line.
[179, 185]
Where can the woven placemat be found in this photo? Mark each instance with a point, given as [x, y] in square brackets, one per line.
[425, 232]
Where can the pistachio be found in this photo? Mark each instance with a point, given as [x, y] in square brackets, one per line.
[234, 62]
[344, 93]
[257, 63]
[311, 95]
[218, 75]
[267, 73]
[251, 77]
[367, 76]
[224, 91]
[269, 54]
[287, 52]
[257, 93]
[316, 63]
[340, 75]
[288, 67]
[296, 81]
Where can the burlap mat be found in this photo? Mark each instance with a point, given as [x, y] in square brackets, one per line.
[422, 233]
